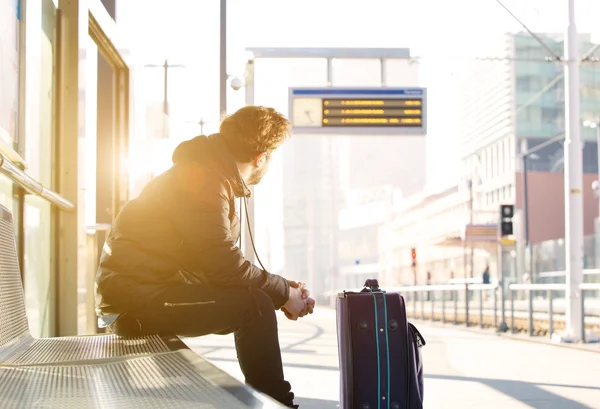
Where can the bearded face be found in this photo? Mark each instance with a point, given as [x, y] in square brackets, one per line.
[259, 171]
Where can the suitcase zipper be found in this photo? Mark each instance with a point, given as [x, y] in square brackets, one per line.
[184, 304]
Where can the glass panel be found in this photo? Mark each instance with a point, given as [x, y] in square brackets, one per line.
[9, 70]
[37, 264]
[88, 164]
[39, 71]
[6, 198]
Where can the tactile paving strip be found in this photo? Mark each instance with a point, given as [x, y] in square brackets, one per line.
[58, 350]
[171, 380]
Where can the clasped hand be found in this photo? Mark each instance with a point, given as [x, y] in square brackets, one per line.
[299, 303]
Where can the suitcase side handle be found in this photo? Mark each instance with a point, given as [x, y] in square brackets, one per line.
[371, 285]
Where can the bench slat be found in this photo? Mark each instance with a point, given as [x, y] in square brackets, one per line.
[65, 349]
[179, 379]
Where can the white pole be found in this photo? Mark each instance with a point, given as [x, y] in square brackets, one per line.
[596, 124]
[249, 96]
[573, 183]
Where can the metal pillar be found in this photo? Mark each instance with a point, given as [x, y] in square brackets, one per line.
[165, 66]
[573, 182]
[597, 221]
[223, 59]
[249, 99]
[501, 281]
[68, 236]
[471, 219]
[528, 244]
[333, 147]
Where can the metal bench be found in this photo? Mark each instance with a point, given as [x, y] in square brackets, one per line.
[104, 371]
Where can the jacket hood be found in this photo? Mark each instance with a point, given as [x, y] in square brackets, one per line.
[212, 151]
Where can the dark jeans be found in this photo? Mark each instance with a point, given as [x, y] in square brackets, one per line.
[195, 310]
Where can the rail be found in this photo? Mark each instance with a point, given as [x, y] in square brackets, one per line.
[18, 176]
[450, 292]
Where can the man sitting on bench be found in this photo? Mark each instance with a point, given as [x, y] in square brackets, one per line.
[170, 264]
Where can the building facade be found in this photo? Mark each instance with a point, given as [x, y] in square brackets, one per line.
[508, 108]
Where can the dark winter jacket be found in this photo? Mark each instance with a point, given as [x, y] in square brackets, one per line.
[181, 229]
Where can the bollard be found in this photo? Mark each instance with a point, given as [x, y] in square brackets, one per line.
[496, 307]
[550, 315]
[582, 316]
[467, 305]
[455, 308]
[414, 298]
[480, 308]
[512, 310]
[503, 326]
[432, 306]
[443, 307]
[530, 314]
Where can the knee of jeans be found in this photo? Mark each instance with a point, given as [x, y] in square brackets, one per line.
[262, 300]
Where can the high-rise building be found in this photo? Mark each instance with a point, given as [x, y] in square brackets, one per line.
[509, 106]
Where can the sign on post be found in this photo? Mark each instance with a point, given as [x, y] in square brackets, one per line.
[365, 111]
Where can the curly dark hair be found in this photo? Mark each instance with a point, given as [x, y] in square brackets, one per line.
[252, 130]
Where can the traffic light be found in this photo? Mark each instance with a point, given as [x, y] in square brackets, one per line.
[506, 225]
[413, 256]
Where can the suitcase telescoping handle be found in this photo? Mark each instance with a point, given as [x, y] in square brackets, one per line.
[371, 285]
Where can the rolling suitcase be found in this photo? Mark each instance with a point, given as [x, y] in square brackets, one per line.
[379, 351]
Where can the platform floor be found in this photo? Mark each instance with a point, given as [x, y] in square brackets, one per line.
[463, 369]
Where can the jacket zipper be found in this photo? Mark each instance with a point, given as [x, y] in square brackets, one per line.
[183, 304]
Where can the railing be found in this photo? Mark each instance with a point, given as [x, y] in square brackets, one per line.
[18, 176]
[454, 293]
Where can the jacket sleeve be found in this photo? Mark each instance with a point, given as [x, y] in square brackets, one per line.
[201, 218]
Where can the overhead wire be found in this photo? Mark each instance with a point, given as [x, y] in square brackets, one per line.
[586, 58]
[538, 39]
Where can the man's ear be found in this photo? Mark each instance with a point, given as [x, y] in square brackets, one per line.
[260, 159]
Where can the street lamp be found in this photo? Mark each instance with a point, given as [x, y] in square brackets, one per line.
[165, 66]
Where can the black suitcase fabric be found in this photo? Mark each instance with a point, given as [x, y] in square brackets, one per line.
[379, 351]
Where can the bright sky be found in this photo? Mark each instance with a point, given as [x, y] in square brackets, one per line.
[439, 31]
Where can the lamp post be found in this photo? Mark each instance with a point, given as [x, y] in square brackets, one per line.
[573, 183]
[165, 66]
[223, 59]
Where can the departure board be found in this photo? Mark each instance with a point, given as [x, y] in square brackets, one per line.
[372, 112]
[359, 111]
